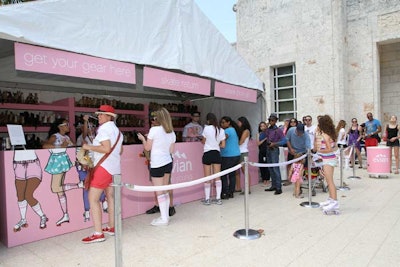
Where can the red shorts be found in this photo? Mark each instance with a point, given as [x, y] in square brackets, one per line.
[101, 178]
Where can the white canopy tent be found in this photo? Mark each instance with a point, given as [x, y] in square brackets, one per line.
[168, 34]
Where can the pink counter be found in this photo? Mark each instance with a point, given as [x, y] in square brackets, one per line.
[187, 167]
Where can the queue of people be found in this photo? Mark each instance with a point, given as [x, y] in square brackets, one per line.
[225, 144]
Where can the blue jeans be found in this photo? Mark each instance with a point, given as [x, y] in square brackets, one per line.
[273, 157]
[229, 180]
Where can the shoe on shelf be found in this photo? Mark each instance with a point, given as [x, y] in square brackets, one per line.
[171, 211]
[278, 192]
[94, 238]
[270, 189]
[109, 230]
[159, 222]
[153, 210]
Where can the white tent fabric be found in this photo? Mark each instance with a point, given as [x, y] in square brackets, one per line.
[171, 34]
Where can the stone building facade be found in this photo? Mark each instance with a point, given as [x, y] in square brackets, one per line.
[343, 55]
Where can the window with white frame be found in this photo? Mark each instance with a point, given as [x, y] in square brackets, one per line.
[284, 98]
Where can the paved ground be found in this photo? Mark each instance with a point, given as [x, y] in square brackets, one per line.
[366, 233]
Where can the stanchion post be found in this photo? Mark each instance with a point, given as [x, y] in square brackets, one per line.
[342, 187]
[309, 203]
[117, 219]
[353, 158]
[246, 233]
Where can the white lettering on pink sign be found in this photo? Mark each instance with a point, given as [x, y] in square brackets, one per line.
[175, 81]
[46, 60]
[234, 92]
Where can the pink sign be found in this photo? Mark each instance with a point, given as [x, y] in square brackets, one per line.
[46, 60]
[234, 92]
[175, 81]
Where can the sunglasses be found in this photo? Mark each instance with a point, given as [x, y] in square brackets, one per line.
[64, 124]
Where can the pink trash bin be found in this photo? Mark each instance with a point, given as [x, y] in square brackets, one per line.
[378, 160]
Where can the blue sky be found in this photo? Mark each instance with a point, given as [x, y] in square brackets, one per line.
[220, 13]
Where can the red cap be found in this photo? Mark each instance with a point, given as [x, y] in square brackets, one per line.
[106, 109]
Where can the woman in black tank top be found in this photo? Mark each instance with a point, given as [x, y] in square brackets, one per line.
[392, 133]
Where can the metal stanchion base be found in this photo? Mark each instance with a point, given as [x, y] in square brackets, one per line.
[308, 204]
[354, 177]
[343, 188]
[251, 234]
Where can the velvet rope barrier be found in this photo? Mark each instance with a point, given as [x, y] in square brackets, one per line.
[152, 188]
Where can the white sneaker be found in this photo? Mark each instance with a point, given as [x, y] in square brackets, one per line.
[159, 222]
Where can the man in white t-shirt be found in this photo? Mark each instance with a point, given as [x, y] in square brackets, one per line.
[193, 130]
[310, 129]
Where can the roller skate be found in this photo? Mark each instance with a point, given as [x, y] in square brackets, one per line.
[332, 208]
[325, 203]
[64, 218]
[43, 221]
[86, 216]
[20, 224]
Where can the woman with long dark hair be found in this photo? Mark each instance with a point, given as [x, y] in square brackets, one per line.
[326, 149]
[244, 137]
[230, 156]
[59, 163]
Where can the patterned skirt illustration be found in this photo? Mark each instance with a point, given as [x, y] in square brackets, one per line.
[58, 163]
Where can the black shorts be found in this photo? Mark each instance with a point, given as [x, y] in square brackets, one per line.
[211, 157]
[161, 171]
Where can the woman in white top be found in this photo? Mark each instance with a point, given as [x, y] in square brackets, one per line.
[161, 141]
[213, 140]
[245, 135]
[107, 143]
[341, 134]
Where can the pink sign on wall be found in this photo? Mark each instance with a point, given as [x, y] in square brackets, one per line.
[46, 60]
[234, 92]
[175, 81]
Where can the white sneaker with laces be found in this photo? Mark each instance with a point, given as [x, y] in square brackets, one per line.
[159, 222]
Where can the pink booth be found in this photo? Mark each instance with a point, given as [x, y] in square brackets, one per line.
[187, 167]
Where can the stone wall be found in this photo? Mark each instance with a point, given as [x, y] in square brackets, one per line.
[333, 43]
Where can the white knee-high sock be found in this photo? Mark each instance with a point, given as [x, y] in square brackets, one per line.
[38, 209]
[22, 208]
[164, 206]
[218, 186]
[207, 190]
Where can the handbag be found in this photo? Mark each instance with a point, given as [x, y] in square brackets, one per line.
[91, 171]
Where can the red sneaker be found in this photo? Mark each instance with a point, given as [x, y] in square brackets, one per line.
[109, 230]
[93, 239]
